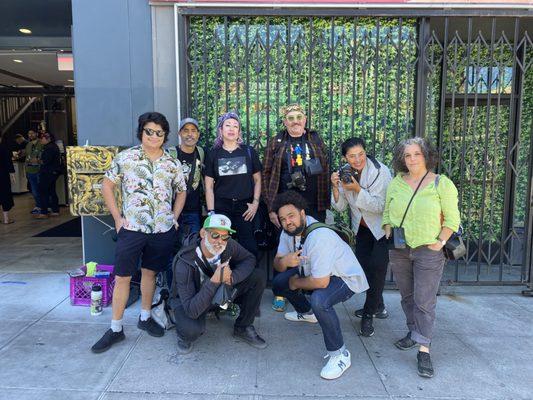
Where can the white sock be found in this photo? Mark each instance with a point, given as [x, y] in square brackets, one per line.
[145, 315]
[116, 325]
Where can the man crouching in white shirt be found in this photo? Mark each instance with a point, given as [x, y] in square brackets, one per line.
[320, 265]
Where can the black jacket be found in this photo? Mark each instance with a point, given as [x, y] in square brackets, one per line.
[194, 296]
[51, 159]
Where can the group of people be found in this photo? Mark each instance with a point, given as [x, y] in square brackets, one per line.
[167, 192]
[42, 163]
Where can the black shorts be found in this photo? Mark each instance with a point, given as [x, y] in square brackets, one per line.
[153, 249]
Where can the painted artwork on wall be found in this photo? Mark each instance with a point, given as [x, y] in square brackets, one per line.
[86, 166]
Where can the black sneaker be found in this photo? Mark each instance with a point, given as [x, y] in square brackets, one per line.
[381, 314]
[425, 368]
[250, 336]
[150, 326]
[367, 329]
[184, 347]
[108, 340]
[405, 343]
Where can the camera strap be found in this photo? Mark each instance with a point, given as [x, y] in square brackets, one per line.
[412, 197]
[378, 167]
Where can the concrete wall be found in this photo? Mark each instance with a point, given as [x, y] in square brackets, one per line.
[113, 74]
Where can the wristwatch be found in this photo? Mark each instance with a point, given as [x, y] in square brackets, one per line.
[443, 242]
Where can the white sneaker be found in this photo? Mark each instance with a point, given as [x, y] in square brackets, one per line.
[336, 366]
[296, 316]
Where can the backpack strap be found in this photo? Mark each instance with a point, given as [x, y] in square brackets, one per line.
[310, 228]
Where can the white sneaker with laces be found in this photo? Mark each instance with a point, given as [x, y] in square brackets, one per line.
[297, 317]
[336, 365]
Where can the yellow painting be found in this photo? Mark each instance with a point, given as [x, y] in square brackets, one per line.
[86, 166]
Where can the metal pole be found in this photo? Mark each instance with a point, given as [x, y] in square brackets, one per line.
[421, 78]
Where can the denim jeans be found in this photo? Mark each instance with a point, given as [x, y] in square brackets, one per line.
[189, 222]
[33, 179]
[321, 302]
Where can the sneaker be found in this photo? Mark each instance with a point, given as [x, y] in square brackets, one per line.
[35, 211]
[336, 365]
[108, 340]
[297, 317]
[250, 336]
[366, 329]
[150, 326]
[279, 304]
[425, 368]
[381, 314]
[184, 346]
[405, 343]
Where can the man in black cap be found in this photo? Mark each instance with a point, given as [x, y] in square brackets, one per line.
[191, 157]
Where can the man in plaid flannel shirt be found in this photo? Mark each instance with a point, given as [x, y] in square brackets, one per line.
[288, 155]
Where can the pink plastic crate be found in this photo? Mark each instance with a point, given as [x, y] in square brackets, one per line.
[80, 287]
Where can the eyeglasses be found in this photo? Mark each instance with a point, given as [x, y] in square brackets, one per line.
[151, 132]
[215, 235]
[292, 118]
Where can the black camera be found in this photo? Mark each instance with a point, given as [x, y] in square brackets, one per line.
[346, 172]
[297, 181]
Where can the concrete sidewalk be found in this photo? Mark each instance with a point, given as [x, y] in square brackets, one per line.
[483, 349]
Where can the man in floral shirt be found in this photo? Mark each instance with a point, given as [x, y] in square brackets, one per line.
[153, 194]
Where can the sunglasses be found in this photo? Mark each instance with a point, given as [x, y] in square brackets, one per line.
[297, 117]
[151, 132]
[215, 235]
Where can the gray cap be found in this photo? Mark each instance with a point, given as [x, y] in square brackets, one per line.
[186, 121]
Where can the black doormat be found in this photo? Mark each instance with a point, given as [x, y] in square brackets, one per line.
[70, 228]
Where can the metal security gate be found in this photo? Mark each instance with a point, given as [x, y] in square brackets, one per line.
[384, 79]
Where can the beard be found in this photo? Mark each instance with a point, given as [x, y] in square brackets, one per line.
[215, 250]
[298, 230]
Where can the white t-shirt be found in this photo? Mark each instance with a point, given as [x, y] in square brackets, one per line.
[327, 254]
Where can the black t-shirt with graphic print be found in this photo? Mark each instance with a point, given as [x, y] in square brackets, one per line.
[297, 150]
[194, 192]
[232, 171]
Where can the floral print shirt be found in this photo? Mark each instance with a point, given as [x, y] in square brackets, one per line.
[148, 189]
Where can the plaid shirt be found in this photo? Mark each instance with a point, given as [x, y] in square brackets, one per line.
[274, 156]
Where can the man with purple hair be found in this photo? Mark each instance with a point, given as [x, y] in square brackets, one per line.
[233, 179]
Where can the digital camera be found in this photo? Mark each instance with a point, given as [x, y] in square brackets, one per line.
[346, 172]
[297, 181]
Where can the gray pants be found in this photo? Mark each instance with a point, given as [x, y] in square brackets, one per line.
[417, 273]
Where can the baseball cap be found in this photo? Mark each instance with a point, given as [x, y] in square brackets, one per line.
[218, 221]
[186, 121]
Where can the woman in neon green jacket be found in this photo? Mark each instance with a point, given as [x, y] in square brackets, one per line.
[431, 218]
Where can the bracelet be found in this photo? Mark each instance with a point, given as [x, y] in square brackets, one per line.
[255, 200]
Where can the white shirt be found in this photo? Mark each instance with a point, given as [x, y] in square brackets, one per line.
[369, 203]
[326, 254]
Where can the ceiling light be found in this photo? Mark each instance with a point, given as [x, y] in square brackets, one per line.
[70, 80]
[17, 61]
[25, 31]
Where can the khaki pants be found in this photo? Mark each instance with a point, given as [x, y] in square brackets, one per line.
[417, 273]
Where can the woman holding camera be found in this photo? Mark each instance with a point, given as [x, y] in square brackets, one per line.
[233, 179]
[421, 211]
[362, 185]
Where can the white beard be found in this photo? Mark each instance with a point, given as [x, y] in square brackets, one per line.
[210, 248]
